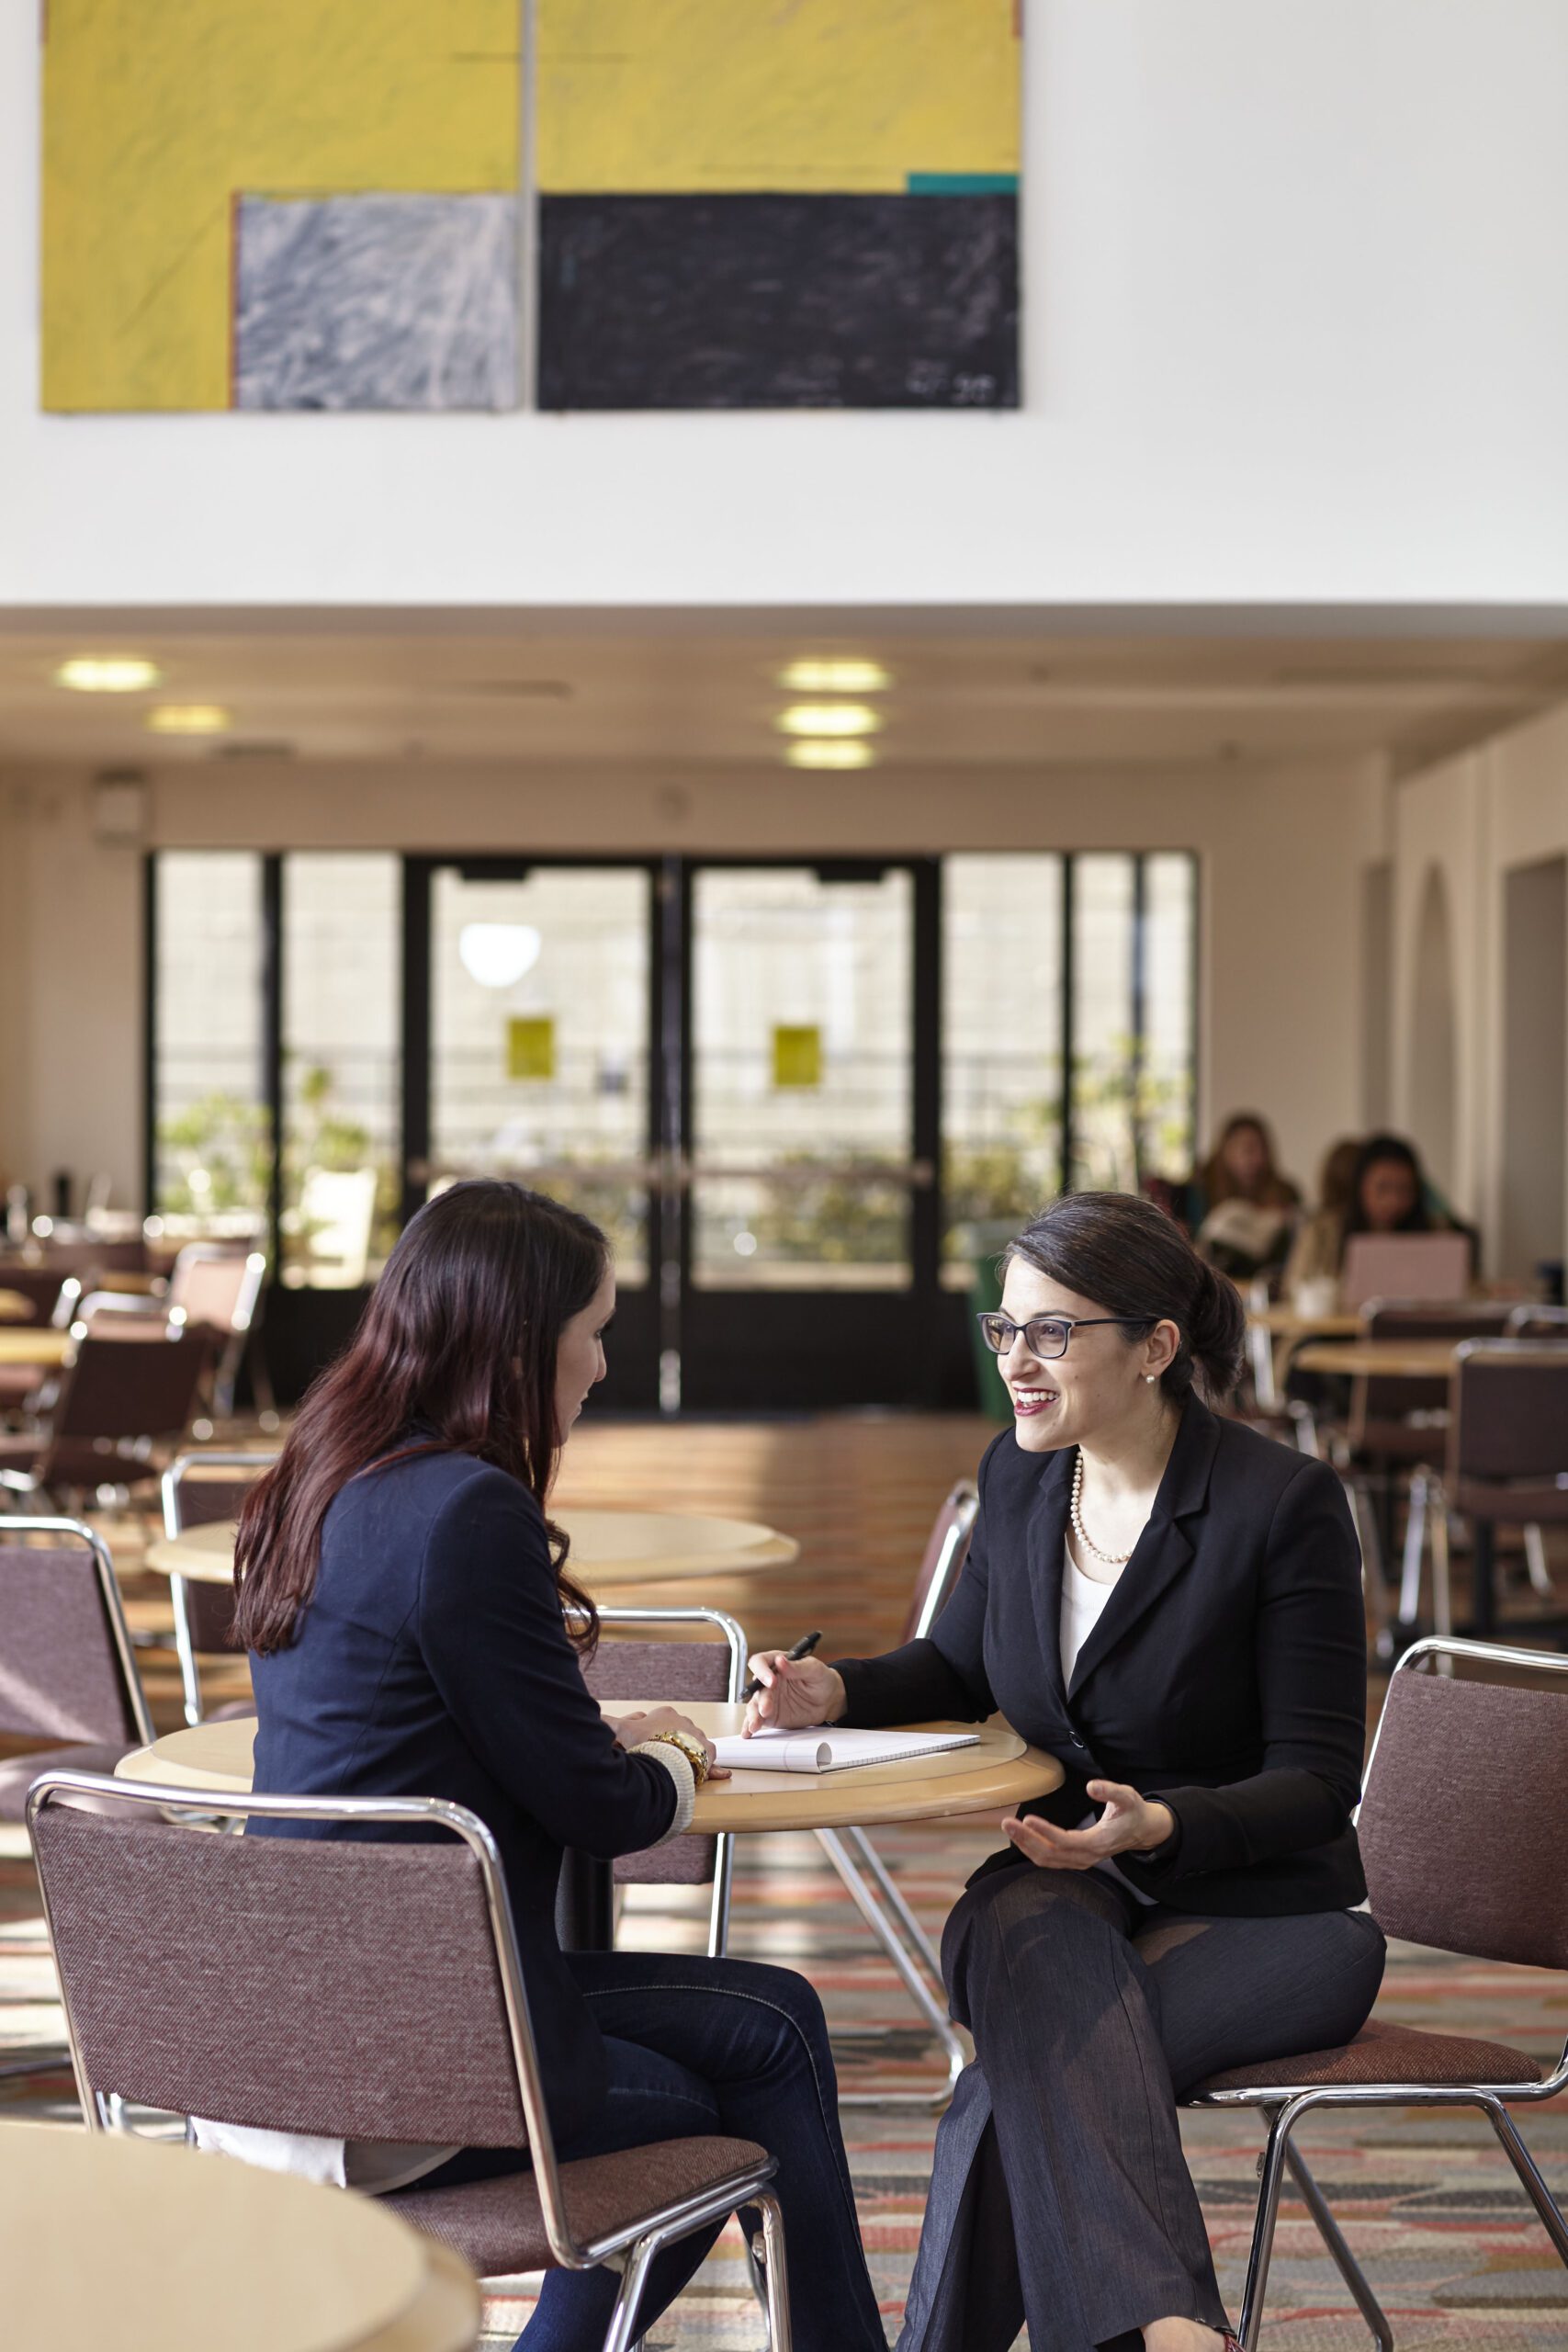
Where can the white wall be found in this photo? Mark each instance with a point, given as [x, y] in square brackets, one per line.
[1296, 332]
[1282, 854]
[1474, 820]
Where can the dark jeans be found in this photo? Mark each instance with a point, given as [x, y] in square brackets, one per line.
[704, 2046]
[1059, 2192]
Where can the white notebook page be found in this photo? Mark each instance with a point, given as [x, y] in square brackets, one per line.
[824, 1747]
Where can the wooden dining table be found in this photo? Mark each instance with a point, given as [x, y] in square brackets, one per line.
[29, 1345]
[1381, 1359]
[608, 1548]
[153, 2246]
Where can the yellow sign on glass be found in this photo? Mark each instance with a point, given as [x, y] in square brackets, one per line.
[531, 1047]
[798, 1057]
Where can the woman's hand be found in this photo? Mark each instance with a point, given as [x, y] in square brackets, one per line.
[630, 1730]
[795, 1692]
[1130, 1825]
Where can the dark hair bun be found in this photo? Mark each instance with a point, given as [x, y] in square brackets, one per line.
[1216, 1332]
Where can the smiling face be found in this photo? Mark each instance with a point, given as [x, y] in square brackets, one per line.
[1099, 1386]
[580, 1358]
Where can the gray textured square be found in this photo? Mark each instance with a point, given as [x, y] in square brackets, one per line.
[377, 302]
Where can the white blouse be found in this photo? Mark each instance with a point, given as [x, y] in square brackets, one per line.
[1083, 1600]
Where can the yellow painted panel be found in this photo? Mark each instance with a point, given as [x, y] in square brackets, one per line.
[797, 1056]
[639, 97]
[157, 113]
[531, 1047]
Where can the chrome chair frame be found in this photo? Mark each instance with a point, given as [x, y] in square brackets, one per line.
[173, 1525]
[723, 1843]
[1286, 2106]
[875, 1895]
[49, 2055]
[634, 2245]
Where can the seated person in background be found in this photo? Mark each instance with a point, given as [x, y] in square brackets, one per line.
[1244, 1211]
[1388, 1193]
[403, 1596]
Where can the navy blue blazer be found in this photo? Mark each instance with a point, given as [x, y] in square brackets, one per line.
[432, 1661]
[1226, 1674]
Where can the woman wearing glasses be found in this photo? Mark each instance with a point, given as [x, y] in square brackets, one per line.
[1170, 1605]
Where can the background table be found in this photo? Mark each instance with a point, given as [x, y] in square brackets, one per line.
[196, 2250]
[15, 1308]
[608, 1548]
[1381, 1359]
[30, 1345]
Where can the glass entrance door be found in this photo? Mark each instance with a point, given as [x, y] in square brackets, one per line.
[539, 1058]
[809, 1145]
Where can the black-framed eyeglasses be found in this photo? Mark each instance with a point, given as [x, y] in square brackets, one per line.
[1045, 1336]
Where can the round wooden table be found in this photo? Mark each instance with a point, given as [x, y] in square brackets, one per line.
[608, 1547]
[199, 2250]
[1381, 1359]
[15, 1308]
[1000, 1771]
[45, 1347]
[1285, 1323]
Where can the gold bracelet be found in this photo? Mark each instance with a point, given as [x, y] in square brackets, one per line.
[693, 1751]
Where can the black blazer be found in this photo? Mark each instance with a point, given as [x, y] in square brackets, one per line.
[432, 1661]
[1227, 1674]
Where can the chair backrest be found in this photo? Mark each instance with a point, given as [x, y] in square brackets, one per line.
[67, 1670]
[1510, 1410]
[131, 1388]
[1386, 1399]
[1531, 1322]
[217, 1287]
[669, 1671]
[341, 1984]
[126, 1314]
[1462, 1824]
[208, 1490]
[39, 1285]
[947, 1547]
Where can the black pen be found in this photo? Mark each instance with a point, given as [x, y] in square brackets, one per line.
[802, 1648]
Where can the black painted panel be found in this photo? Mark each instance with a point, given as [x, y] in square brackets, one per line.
[778, 301]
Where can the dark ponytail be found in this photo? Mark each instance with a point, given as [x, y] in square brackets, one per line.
[1132, 1259]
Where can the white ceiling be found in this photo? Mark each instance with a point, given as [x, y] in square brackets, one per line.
[703, 689]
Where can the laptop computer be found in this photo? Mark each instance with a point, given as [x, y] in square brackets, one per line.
[1403, 1266]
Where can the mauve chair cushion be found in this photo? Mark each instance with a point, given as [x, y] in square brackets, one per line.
[1461, 1829]
[497, 2225]
[17, 1773]
[673, 1672]
[1384, 2053]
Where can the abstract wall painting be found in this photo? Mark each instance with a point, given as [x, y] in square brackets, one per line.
[326, 204]
[778, 203]
[281, 204]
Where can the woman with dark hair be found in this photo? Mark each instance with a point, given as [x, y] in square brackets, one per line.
[1387, 1193]
[404, 1597]
[1244, 1209]
[1169, 1604]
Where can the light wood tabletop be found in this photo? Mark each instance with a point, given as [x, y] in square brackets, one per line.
[999, 1772]
[1381, 1359]
[190, 2245]
[1285, 1323]
[608, 1547]
[15, 1308]
[29, 1346]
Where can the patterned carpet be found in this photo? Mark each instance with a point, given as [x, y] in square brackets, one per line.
[1427, 2200]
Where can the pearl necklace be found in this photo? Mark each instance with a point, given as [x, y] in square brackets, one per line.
[1106, 1559]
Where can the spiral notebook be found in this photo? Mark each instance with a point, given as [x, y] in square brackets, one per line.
[822, 1747]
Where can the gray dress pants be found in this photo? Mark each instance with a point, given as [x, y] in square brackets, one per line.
[1059, 2192]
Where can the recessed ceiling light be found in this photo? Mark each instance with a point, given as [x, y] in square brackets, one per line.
[189, 718]
[107, 674]
[814, 753]
[829, 718]
[835, 676]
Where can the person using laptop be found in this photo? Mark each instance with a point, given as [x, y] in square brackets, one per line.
[1170, 1605]
[1389, 1194]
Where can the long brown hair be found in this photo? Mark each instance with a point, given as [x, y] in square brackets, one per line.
[456, 1354]
[1274, 1191]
